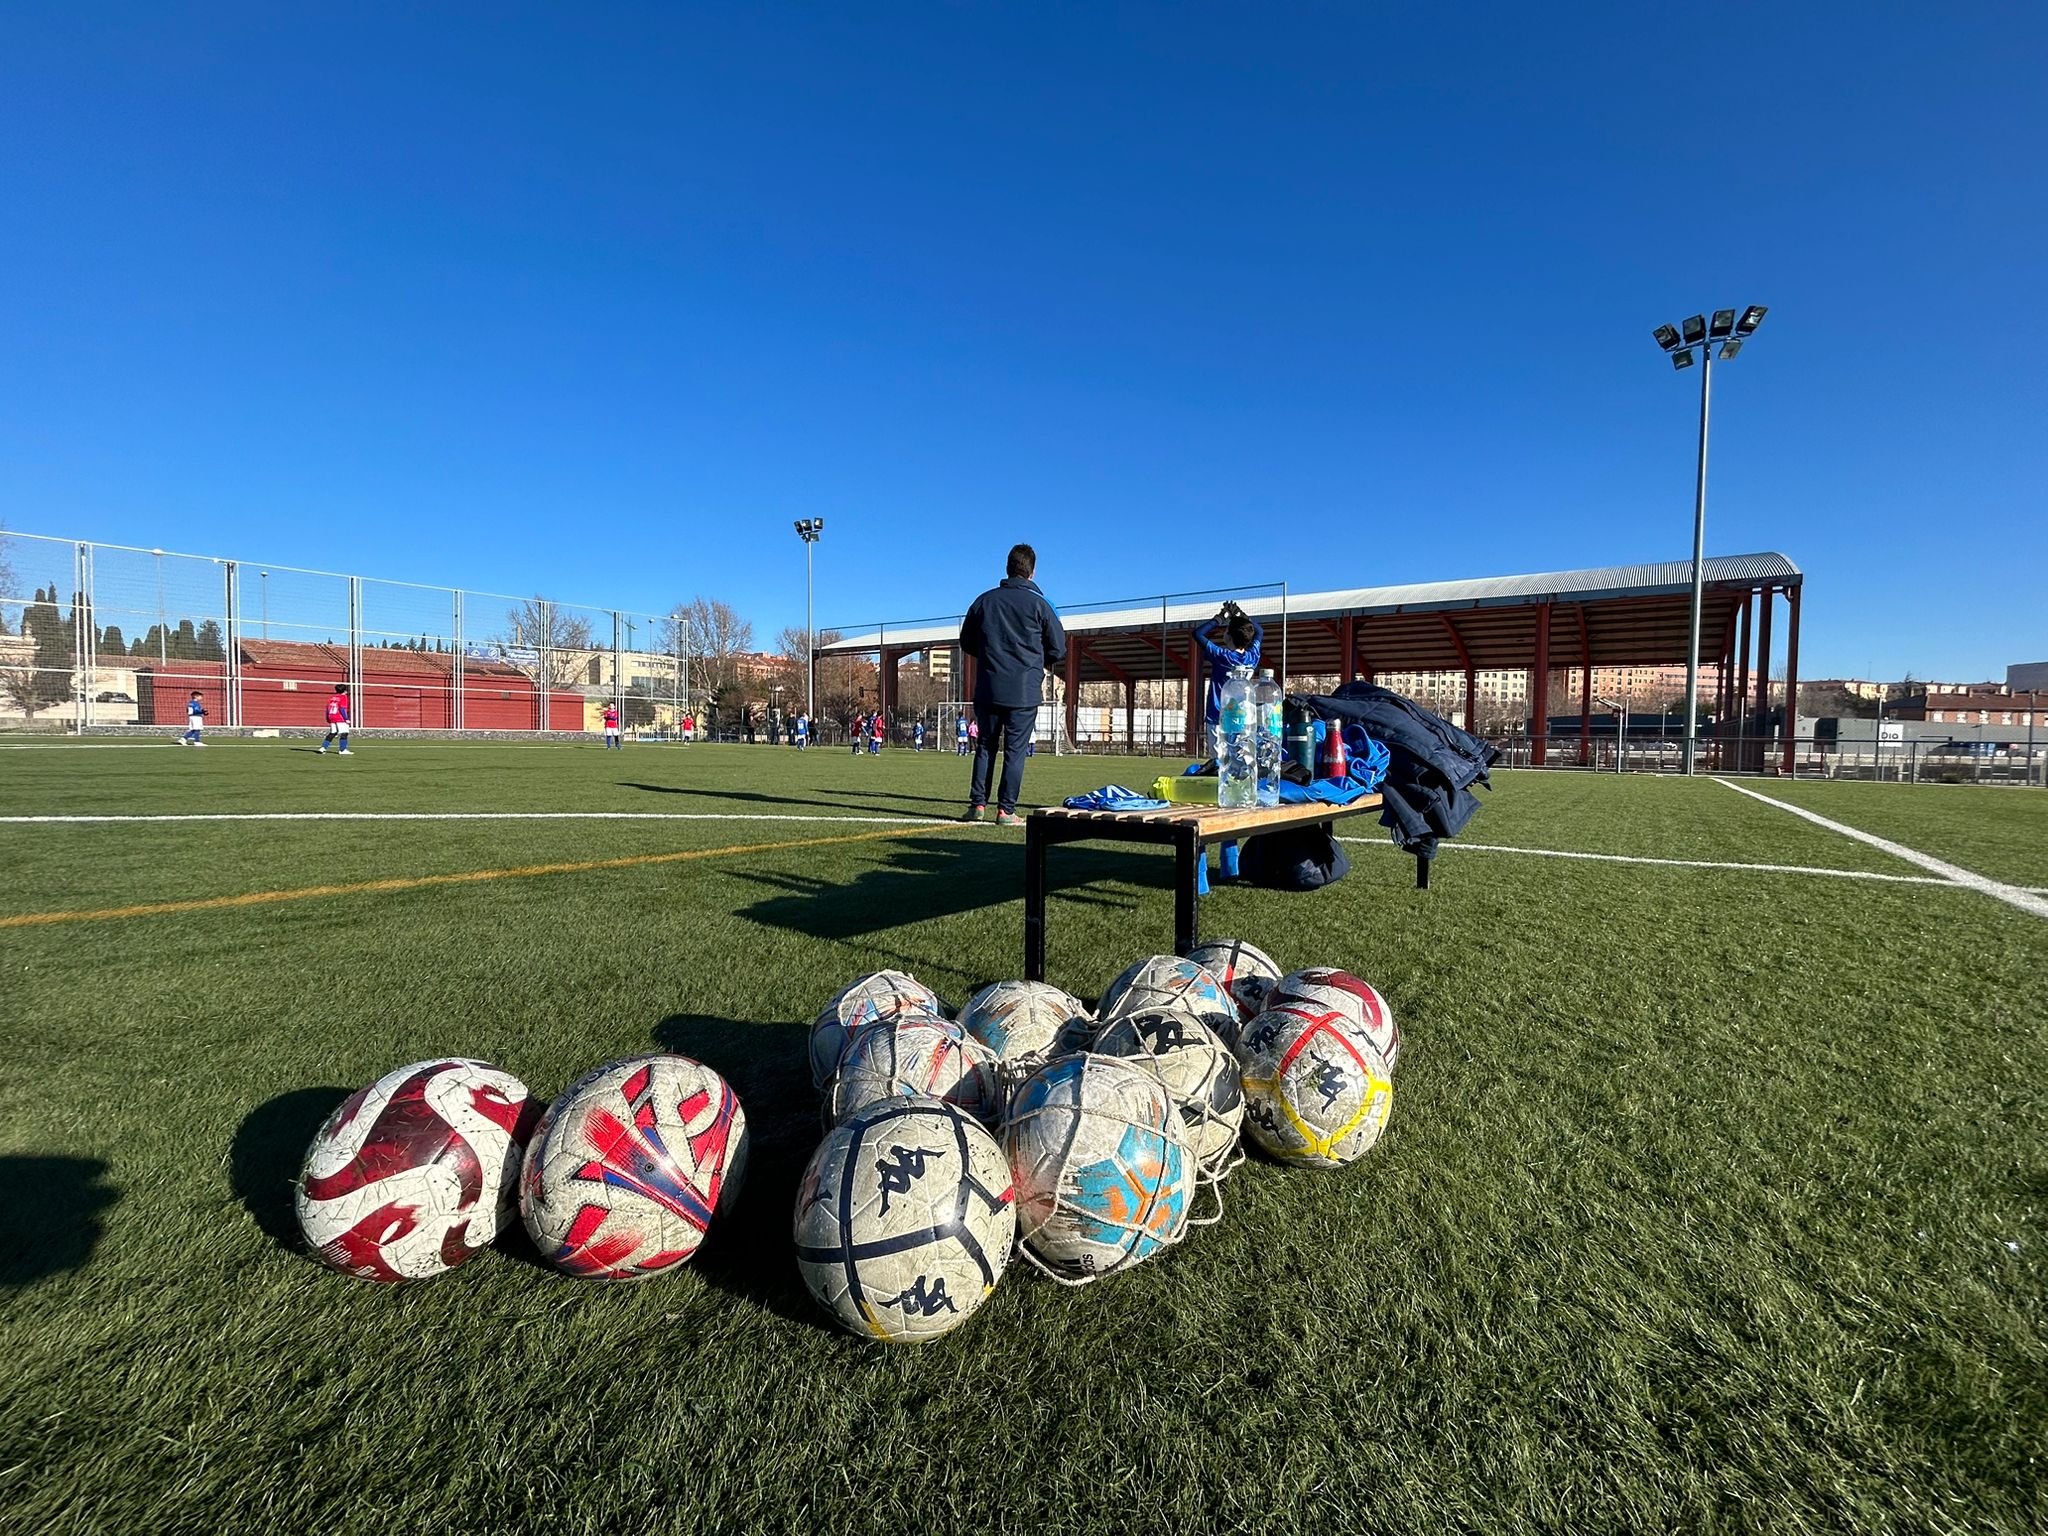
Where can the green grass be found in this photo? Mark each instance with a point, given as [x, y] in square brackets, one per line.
[1988, 829]
[1712, 1200]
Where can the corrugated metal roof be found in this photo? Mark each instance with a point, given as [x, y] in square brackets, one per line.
[1658, 578]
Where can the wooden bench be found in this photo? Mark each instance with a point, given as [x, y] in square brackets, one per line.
[1187, 829]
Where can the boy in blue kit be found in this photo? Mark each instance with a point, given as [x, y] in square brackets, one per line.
[917, 737]
[960, 735]
[195, 721]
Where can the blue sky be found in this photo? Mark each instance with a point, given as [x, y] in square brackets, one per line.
[595, 301]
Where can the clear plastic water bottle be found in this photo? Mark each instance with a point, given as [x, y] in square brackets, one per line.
[1266, 702]
[1237, 766]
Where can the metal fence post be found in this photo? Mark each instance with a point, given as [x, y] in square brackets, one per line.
[455, 672]
[355, 650]
[82, 623]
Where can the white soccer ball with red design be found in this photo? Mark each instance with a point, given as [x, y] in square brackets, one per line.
[628, 1168]
[882, 995]
[417, 1172]
[1246, 972]
[913, 1056]
[1359, 1001]
[1317, 1092]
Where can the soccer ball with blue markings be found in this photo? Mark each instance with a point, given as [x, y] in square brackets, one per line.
[1104, 1173]
[1022, 1020]
[1167, 981]
[913, 1055]
[905, 1220]
[883, 995]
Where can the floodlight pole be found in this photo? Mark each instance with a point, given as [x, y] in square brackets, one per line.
[1699, 571]
[809, 529]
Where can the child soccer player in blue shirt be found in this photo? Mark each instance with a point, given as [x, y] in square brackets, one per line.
[195, 721]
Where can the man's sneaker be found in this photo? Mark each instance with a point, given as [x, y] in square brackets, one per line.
[346, 753]
[321, 750]
[975, 813]
[1009, 819]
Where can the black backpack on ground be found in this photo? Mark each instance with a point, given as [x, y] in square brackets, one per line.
[1296, 859]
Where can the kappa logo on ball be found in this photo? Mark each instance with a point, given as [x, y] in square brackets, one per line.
[921, 1302]
[903, 1168]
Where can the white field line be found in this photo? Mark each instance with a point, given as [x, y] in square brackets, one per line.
[1953, 874]
[856, 821]
[939, 821]
[1630, 858]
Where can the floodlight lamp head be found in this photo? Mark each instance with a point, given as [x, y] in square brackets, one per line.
[1729, 349]
[1666, 336]
[1682, 358]
[1752, 317]
[1695, 330]
[1722, 324]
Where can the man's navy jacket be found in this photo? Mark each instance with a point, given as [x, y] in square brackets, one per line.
[1013, 636]
[1427, 793]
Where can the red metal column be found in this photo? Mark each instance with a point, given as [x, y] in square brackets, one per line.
[1197, 704]
[1347, 641]
[1539, 690]
[1073, 693]
[1791, 673]
[1130, 714]
[969, 668]
[1724, 692]
[1471, 701]
[1763, 682]
[1741, 694]
[1585, 691]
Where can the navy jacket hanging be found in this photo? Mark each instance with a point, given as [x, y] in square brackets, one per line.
[1434, 768]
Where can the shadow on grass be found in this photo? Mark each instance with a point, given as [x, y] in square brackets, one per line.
[747, 1252]
[942, 876]
[269, 1146]
[49, 1209]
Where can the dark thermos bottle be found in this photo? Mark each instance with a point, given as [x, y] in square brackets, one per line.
[1298, 738]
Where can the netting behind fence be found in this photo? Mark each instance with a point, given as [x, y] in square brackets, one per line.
[98, 635]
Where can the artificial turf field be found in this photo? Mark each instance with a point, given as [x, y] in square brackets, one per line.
[1713, 1198]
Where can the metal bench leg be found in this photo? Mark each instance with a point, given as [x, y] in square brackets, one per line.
[1034, 902]
[1187, 863]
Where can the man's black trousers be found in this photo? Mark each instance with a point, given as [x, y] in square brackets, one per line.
[1014, 727]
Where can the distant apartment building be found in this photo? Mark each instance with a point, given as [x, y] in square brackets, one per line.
[2027, 677]
[1978, 706]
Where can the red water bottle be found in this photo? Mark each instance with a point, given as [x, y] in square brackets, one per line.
[1336, 761]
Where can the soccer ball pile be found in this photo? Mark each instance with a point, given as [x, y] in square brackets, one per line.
[619, 1179]
[1082, 1142]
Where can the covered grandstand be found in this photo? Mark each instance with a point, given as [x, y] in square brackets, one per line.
[1543, 624]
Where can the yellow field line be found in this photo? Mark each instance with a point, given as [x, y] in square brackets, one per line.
[465, 877]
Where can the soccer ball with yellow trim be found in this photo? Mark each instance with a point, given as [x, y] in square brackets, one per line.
[1317, 1091]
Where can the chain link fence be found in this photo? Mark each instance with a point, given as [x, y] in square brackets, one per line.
[104, 636]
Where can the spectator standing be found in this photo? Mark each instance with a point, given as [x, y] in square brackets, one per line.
[1014, 637]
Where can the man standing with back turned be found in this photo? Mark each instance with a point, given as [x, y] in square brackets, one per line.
[1014, 637]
